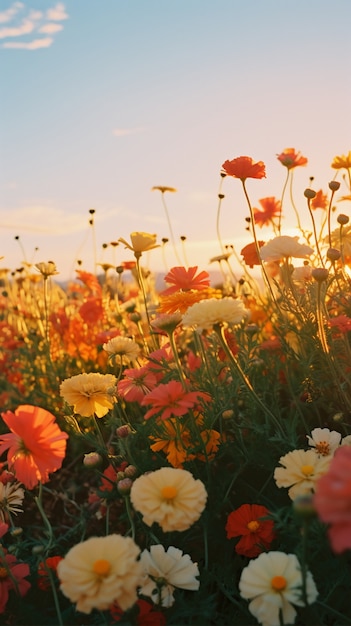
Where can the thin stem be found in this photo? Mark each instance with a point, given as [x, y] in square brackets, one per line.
[293, 203]
[177, 360]
[315, 232]
[170, 228]
[329, 219]
[282, 200]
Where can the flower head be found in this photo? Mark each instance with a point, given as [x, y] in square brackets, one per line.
[256, 533]
[179, 301]
[273, 582]
[12, 577]
[136, 383]
[320, 201]
[171, 497]
[141, 242]
[324, 441]
[165, 571]
[90, 394]
[290, 158]
[36, 445]
[11, 498]
[123, 348]
[301, 469]
[185, 279]
[271, 209]
[46, 269]
[44, 568]
[342, 162]
[163, 189]
[244, 167]
[214, 311]
[249, 252]
[170, 399]
[99, 571]
[284, 246]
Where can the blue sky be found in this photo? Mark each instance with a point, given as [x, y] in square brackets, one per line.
[103, 99]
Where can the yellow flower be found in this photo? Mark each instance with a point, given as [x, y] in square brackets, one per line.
[141, 242]
[343, 161]
[207, 313]
[163, 189]
[301, 469]
[100, 571]
[90, 394]
[169, 496]
[46, 269]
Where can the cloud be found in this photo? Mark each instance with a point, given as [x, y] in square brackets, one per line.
[44, 220]
[123, 132]
[32, 23]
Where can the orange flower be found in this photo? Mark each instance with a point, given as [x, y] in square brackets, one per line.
[44, 568]
[290, 158]
[320, 201]
[182, 300]
[174, 442]
[271, 208]
[249, 253]
[36, 446]
[244, 167]
[184, 279]
[342, 162]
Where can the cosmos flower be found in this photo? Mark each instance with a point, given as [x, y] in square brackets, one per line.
[165, 571]
[324, 441]
[46, 269]
[163, 189]
[36, 446]
[342, 162]
[249, 252]
[320, 201]
[290, 158]
[284, 246]
[90, 394]
[123, 348]
[209, 312]
[271, 209]
[136, 383]
[244, 167]
[301, 470]
[140, 242]
[12, 577]
[185, 279]
[273, 583]
[180, 301]
[100, 571]
[11, 498]
[256, 534]
[171, 497]
[166, 322]
[171, 399]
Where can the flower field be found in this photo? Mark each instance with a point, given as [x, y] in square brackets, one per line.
[183, 455]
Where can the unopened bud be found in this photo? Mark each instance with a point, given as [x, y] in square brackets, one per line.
[130, 471]
[16, 532]
[309, 193]
[334, 185]
[320, 274]
[333, 254]
[124, 486]
[123, 431]
[343, 219]
[228, 414]
[37, 550]
[92, 459]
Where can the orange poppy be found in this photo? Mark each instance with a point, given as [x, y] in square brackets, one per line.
[271, 209]
[290, 158]
[244, 167]
[320, 201]
[249, 253]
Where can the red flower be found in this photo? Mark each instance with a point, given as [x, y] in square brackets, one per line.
[12, 576]
[244, 167]
[146, 615]
[172, 400]
[249, 253]
[91, 310]
[271, 208]
[333, 499]
[256, 533]
[290, 159]
[185, 280]
[341, 322]
[50, 563]
[136, 383]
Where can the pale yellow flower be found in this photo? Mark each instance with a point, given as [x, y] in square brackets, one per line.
[206, 313]
[100, 571]
[123, 347]
[90, 394]
[165, 571]
[324, 441]
[301, 470]
[273, 582]
[284, 246]
[169, 496]
[11, 498]
[46, 269]
[141, 242]
[163, 189]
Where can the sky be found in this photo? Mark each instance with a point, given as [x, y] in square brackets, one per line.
[101, 100]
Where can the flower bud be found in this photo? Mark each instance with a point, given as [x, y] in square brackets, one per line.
[320, 274]
[37, 550]
[333, 254]
[228, 414]
[123, 431]
[17, 531]
[92, 459]
[343, 219]
[309, 193]
[130, 471]
[124, 486]
[334, 185]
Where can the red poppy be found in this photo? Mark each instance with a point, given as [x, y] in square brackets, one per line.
[249, 253]
[244, 167]
[256, 533]
[171, 400]
[185, 280]
[290, 158]
[271, 209]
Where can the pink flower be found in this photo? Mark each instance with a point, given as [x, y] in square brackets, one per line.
[12, 576]
[333, 499]
[341, 322]
[171, 400]
[36, 446]
[137, 382]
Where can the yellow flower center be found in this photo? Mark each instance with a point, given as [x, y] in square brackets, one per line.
[102, 567]
[3, 572]
[169, 492]
[253, 526]
[323, 448]
[278, 583]
[307, 470]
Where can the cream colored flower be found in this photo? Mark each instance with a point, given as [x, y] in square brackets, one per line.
[206, 313]
[163, 189]
[141, 242]
[169, 496]
[90, 394]
[273, 583]
[324, 441]
[301, 470]
[123, 347]
[346, 441]
[284, 246]
[11, 498]
[46, 269]
[302, 274]
[164, 571]
[100, 571]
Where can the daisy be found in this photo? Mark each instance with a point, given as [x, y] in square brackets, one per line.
[213, 311]
[123, 348]
[271, 209]
[301, 469]
[36, 446]
[342, 162]
[169, 496]
[100, 571]
[165, 571]
[273, 582]
[90, 394]
[324, 441]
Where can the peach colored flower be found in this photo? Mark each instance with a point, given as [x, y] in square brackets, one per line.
[123, 349]
[207, 313]
[185, 279]
[290, 158]
[11, 498]
[284, 246]
[36, 445]
[244, 167]
[90, 394]
[249, 252]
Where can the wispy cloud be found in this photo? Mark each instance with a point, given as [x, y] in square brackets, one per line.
[43, 219]
[123, 132]
[22, 22]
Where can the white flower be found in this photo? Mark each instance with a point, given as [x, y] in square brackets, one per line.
[11, 498]
[100, 571]
[273, 583]
[212, 311]
[124, 348]
[301, 469]
[324, 441]
[164, 571]
[302, 274]
[346, 441]
[284, 246]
